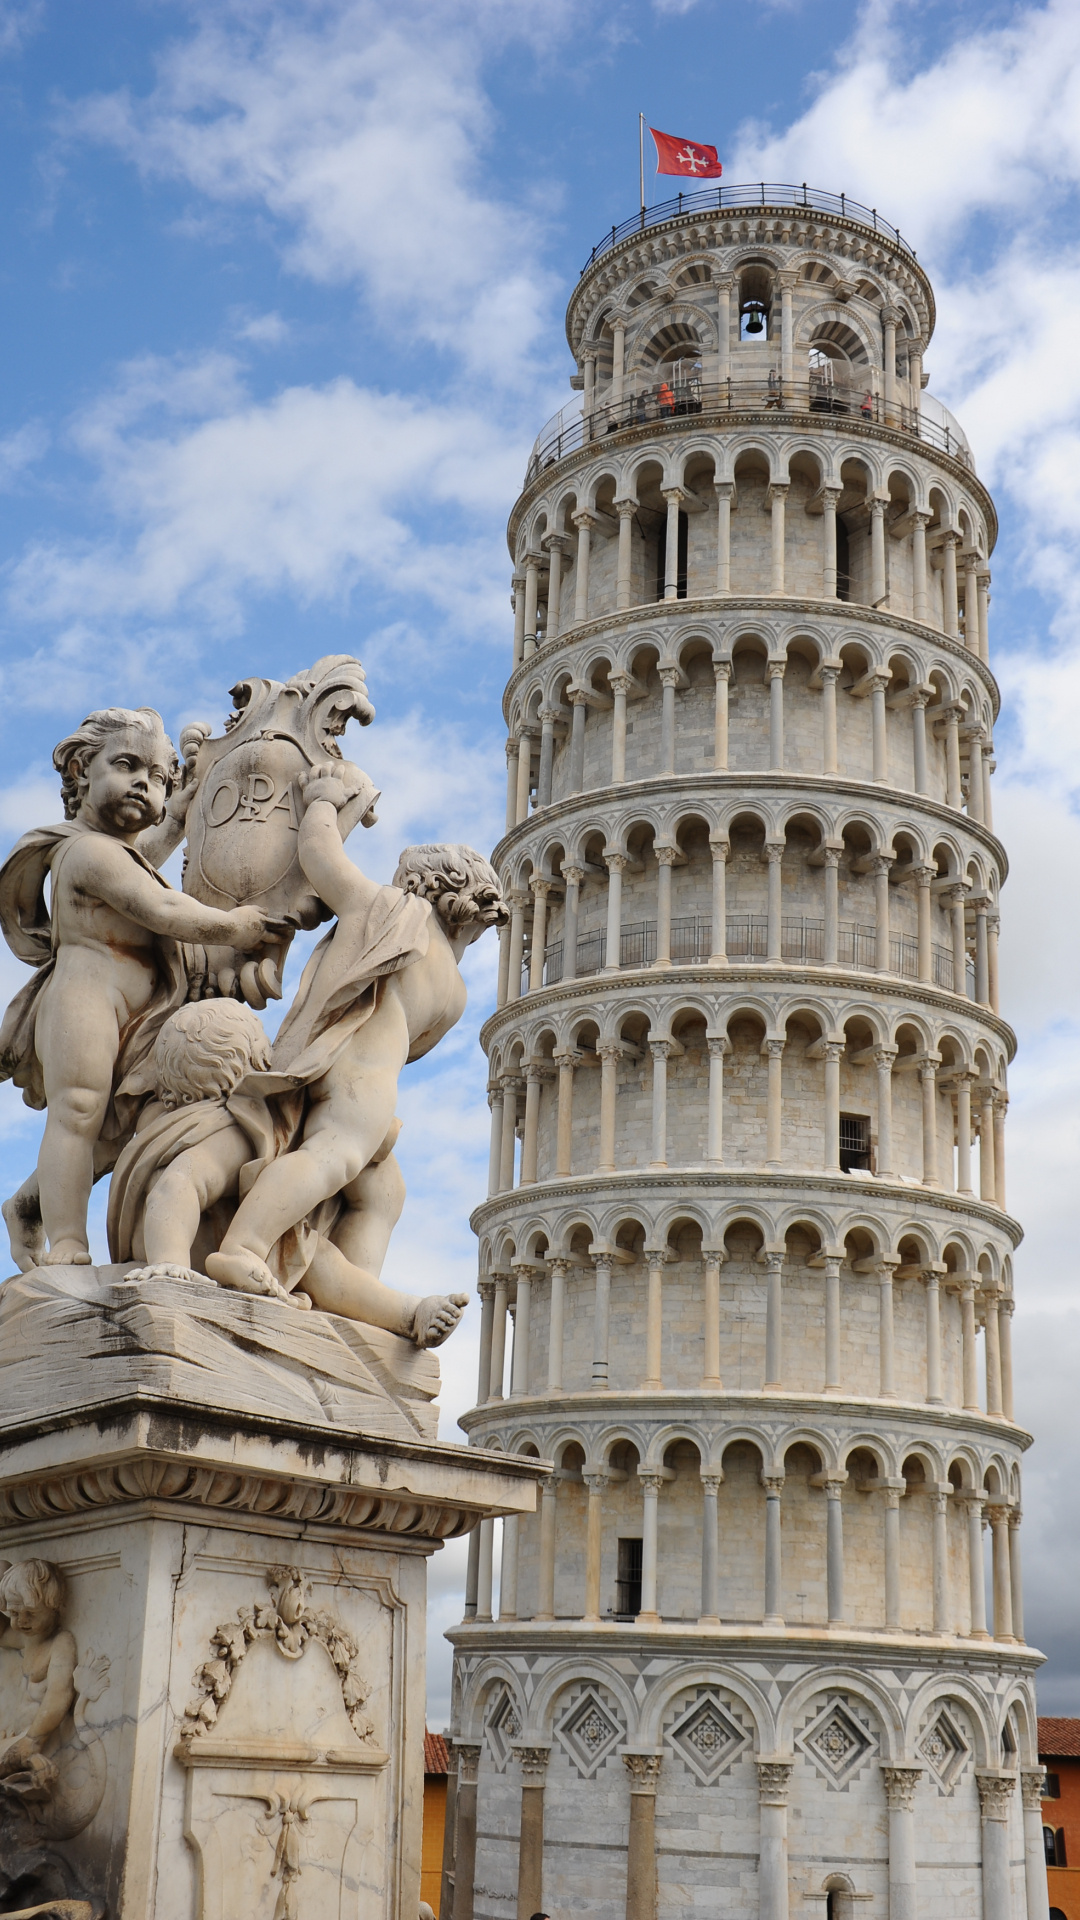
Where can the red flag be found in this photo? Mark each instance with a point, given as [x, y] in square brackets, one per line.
[685, 156]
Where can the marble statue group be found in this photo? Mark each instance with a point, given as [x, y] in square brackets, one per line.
[265, 1167]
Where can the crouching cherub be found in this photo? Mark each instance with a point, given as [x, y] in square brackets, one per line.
[380, 990]
[31, 1597]
[202, 1136]
[109, 966]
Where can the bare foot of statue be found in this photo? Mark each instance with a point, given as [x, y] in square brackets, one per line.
[162, 1270]
[22, 1217]
[67, 1253]
[436, 1317]
[244, 1273]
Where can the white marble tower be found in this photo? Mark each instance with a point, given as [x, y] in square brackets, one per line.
[746, 1255]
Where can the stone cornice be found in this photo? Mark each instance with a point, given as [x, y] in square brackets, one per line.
[761, 605]
[740, 1182]
[786, 1644]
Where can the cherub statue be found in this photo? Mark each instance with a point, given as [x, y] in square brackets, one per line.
[31, 1597]
[381, 989]
[109, 970]
[177, 1183]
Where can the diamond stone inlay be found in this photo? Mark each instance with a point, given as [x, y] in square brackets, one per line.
[708, 1738]
[503, 1728]
[588, 1733]
[944, 1749]
[837, 1743]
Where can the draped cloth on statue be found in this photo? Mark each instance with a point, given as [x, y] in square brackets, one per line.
[27, 927]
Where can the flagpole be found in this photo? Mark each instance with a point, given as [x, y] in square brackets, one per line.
[641, 157]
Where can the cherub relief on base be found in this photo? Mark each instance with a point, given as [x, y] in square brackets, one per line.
[264, 1169]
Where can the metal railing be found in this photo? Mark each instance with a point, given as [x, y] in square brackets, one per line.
[801, 939]
[762, 193]
[805, 397]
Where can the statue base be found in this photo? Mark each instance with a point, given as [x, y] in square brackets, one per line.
[240, 1500]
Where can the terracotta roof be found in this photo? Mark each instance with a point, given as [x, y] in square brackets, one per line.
[437, 1759]
[1059, 1739]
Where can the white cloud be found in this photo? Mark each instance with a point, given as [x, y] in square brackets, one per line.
[20, 449]
[263, 329]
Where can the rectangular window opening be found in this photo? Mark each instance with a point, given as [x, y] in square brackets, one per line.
[854, 1143]
[628, 1581]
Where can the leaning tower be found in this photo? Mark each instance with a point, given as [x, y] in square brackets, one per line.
[746, 1259]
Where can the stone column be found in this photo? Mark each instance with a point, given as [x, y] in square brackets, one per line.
[601, 1318]
[992, 1351]
[644, 1771]
[973, 1502]
[919, 524]
[988, 766]
[878, 585]
[923, 878]
[974, 737]
[984, 615]
[665, 859]
[833, 1053]
[508, 1578]
[498, 1336]
[886, 1330]
[618, 359]
[651, 1484]
[566, 1059]
[987, 1185]
[963, 1132]
[916, 350]
[556, 544]
[725, 494]
[723, 329]
[669, 680]
[530, 1886]
[549, 1493]
[657, 1258]
[718, 1045]
[918, 738]
[548, 717]
[1016, 1577]
[485, 1287]
[468, 1759]
[484, 1572]
[774, 1049]
[775, 499]
[787, 278]
[519, 1382]
[1001, 1107]
[541, 889]
[998, 1515]
[883, 931]
[832, 905]
[517, 602]
[495, 1102]
[516, 901]
[932, 1277]
[1007, 1305]
[674, 497]
[502, 991]
[834, 1547]
[928, 1067]
[900, 1788]
[532, 593]
[970, 560]
[773, 1484]
[949, 601]
[713, 1258]
[967, 1340]
[774, 1320]
[573, 877]
[1032, 1788]
[626, 509]
[584, 522]
[774, 1778]
[995, 1797]
[894, 1491]
[883, 1061]
[588, 368]
[829, 498]
[524, 775]
[830, 674]
[511, 784]
[616, 864]
[446, 1886]
[719, 850]
[558, 1270]
[833, 1383]
[620, 684]
[511, 1087]
[956, 898]
[775, 674]
[578, 698]
[939, 1495]
[710, 1550]
[610, 1052]
[954, 793]
[595, 1482]
[890, 319]
[774, 854]
[879, 680]
[722, 676]
[660, 1050]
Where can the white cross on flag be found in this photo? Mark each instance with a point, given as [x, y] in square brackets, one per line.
[688, 157]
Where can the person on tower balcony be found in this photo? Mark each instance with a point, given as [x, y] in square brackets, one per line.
[666, 398]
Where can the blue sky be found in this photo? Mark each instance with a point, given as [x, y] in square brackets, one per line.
[281, 294]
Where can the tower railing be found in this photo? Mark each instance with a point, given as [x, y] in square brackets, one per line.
[761, 193]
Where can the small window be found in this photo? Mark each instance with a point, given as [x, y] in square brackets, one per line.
[843, 561]
[1052, 1789]
[628, 1583]
[1056, 1914]
[854, 1143]
[1054, 1846]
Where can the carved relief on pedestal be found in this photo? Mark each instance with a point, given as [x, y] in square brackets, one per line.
[284, 1804]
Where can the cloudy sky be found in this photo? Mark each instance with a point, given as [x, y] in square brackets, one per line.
[280, 312]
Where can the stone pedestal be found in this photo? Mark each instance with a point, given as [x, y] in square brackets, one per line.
[246, 1595]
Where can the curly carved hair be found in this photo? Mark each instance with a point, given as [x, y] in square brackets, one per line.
[462, 886]
[31, 1583]
[204, 1051]
[72, 756]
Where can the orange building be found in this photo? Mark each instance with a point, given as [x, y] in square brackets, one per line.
[1059, 1751]
[436, 1769]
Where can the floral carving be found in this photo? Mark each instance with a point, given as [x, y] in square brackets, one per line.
[290, 1622]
